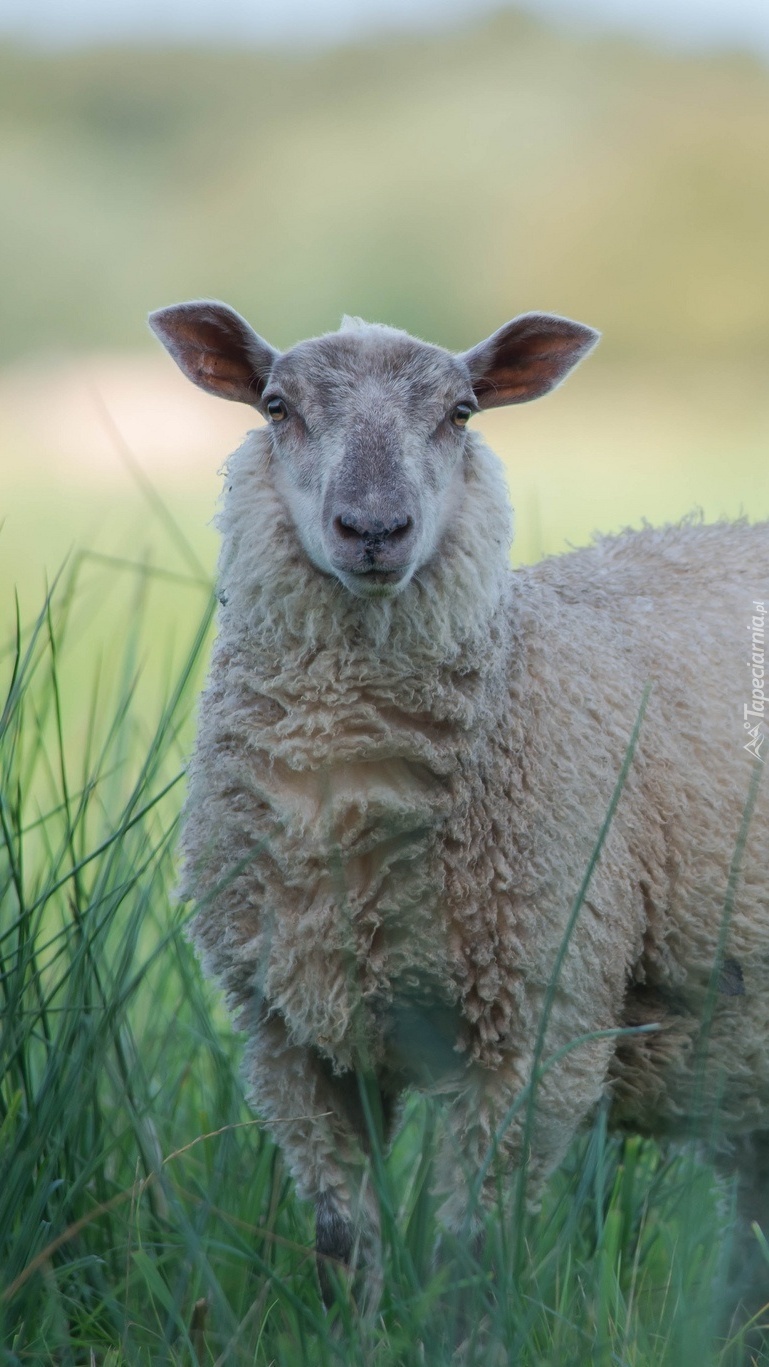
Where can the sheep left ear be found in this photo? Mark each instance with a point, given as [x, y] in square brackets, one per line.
[216, 348]
[526, 358]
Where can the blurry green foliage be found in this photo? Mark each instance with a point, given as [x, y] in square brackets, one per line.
[440, 183]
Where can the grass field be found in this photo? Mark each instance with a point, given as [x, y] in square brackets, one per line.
[144, 1218]
[442, 184]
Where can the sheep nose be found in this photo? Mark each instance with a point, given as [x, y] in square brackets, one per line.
[380, 543]
[372, 531]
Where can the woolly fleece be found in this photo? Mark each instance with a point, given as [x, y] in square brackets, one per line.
[392, 804]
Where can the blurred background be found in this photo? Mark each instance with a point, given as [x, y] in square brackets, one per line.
[439, 165]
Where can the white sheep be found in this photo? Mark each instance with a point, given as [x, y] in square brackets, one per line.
[406, 753]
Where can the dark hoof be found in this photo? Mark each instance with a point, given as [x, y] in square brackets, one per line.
[333, 1248]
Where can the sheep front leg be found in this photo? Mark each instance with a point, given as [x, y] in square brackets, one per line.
[493, 1126]
[317, 1120]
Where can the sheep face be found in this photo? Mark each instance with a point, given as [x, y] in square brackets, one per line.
[367, 424]
[367, 429]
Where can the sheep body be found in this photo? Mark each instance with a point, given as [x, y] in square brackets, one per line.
[413, 789]
[406, 753]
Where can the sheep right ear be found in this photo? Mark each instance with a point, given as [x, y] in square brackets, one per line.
[215, 348]
[527, 358]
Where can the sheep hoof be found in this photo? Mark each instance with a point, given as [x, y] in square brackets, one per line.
[333, 1249]
[348, 1260]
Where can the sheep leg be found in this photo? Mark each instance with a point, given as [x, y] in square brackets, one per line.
[317, 1119]
[491, 1119]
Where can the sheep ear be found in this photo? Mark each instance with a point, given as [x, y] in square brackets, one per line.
[526, 358]
[215, 348]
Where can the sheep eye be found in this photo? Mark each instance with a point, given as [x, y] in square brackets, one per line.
[276, 410]
[461, 415]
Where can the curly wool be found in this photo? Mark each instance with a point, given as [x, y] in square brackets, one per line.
[393, 802]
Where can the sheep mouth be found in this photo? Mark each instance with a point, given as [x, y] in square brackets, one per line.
[369, 582]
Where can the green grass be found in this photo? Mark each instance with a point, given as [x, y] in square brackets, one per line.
[144, 1218]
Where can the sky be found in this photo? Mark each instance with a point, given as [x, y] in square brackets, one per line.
[743, 23]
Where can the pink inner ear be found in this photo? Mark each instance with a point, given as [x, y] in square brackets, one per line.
[216, 349]
[518, 379]
[527, 358]
[226, 365]
[229, 373]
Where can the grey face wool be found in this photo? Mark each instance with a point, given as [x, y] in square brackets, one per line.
[405, 756]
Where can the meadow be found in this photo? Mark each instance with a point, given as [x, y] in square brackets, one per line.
[442, 184]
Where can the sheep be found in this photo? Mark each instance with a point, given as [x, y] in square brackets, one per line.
[407, 751]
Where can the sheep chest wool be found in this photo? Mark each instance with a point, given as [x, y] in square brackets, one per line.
[406, 754]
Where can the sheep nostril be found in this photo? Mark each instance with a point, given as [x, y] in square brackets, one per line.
[351, 528]
[346, 529]
[400, 529]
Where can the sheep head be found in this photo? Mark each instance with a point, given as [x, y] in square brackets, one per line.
[367, 425]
